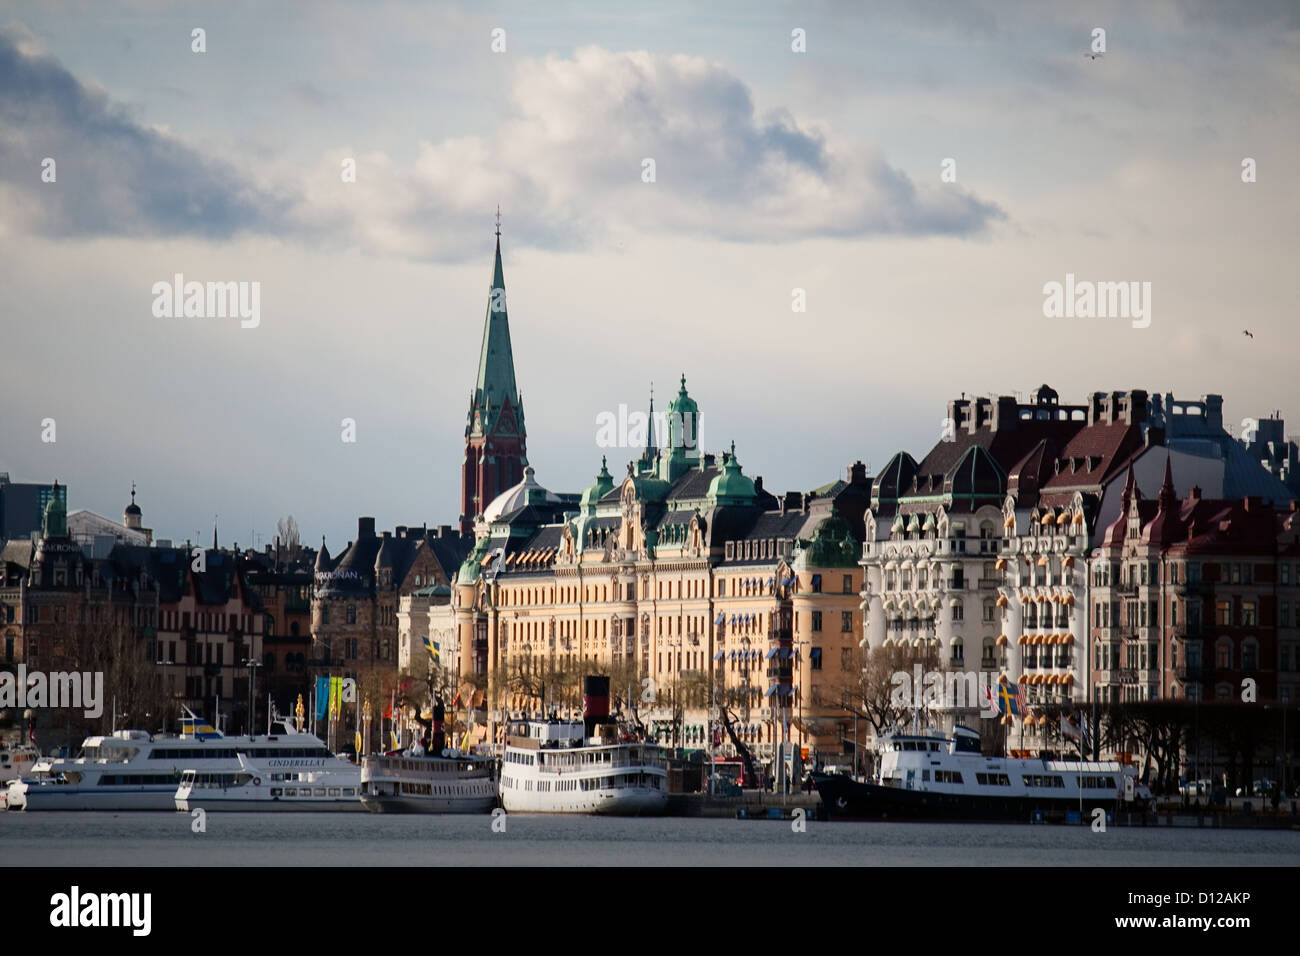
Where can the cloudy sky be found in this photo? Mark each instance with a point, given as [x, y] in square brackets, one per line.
[774, 170]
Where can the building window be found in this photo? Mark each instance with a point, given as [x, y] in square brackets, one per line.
[1248, 614]
[846, 622]
[958, 611]
[815, 658]
[352, 614]
[848, 584]
[816, 620]
[1223, 613]
[1249, 656]
[816, 584]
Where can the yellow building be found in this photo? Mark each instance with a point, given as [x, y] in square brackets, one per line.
[699, 593]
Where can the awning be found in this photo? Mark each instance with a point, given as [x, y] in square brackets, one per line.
[1063, 518]
[772, 690]
[1000, 563]
[1009, 521]
[1023, 679]
[1046, 519]
[719, 656]
[1002, 600]
[1042, 561]
[772, 653]
[1002, 641]
[720, 619]
[1068, 561]
[1022, 639]
[1069, 638]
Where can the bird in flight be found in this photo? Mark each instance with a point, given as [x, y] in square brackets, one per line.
[1248, 333]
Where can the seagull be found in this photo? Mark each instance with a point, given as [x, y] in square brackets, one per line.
[1248, 332]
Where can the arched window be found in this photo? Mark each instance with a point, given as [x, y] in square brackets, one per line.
[958, 650]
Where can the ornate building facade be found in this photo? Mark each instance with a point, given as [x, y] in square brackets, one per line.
[686, 581]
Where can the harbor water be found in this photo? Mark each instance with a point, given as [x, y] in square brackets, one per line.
[363, 839]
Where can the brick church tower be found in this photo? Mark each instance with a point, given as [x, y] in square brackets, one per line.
[495, 439]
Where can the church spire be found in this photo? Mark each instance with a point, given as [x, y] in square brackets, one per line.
[495, 388]
[495, 437]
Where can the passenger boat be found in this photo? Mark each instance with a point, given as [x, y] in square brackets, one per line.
[416, 781]
[582, 766]
[932, 776]
[136, 770]
[268, 786]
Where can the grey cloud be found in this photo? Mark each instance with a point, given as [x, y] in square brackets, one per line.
[115, 176]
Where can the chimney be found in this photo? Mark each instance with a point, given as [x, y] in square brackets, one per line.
[365, 528]
[791, 501]
[1214, 411]
[444, 531]
[401, 531]
[758, 484]
[857, 473]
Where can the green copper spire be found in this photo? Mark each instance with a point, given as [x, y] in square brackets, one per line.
[495, 387]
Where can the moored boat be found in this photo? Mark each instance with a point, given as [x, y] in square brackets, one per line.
[269, 787]
[436, 780]
[582, 766]
[933, 776]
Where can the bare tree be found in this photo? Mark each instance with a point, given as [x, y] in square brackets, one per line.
[286, 529]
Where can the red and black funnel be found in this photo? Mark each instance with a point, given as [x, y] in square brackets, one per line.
[595, 702]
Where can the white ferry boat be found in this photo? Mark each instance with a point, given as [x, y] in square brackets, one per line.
[413, 782]
[134, 770]
[266, 786]
[581, 766]
[932, 776]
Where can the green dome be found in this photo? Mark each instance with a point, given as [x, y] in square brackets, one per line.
[833, 544]
[731, 487]
[603, 486]
[683, 404]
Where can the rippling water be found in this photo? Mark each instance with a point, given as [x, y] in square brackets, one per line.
[244, 839]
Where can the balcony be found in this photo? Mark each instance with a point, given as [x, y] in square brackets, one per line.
[989, 584]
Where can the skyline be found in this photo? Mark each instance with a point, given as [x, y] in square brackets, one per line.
[613, 282]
